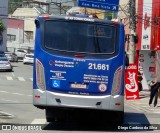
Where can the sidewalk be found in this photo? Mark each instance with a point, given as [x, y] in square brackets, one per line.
[144, 94]
[142, 104]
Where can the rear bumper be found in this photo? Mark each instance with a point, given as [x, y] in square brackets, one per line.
[6, 68]
[28, 61]
[107, 102]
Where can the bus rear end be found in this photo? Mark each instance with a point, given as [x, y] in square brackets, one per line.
[79, 64]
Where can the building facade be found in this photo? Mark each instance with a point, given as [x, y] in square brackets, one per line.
[23, 28]
[148, 47]
[3, 17]
[15, 33]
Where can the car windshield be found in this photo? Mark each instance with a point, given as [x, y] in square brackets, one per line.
[30, 56]
[80, 37]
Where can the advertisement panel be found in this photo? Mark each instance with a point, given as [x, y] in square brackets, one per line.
[158, 66]
[146, 67]
[144, 24]
[131, 82]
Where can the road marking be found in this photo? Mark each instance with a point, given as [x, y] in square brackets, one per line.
[4, 92]
[9, 78]
[38, 121]
[5, 114]
[158, 112]
[11, 101]
[21, 79]
[18, 94]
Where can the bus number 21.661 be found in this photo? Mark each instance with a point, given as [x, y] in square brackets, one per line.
[98, 66]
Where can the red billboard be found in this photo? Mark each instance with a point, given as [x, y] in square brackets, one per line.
[131, 82]
[148, 23]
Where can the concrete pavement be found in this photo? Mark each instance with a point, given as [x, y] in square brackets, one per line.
[142, 104]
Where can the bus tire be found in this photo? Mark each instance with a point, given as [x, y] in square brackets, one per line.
[55, 115]
[49, 115]
[119, 117]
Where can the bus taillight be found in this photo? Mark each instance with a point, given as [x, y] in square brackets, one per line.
[44, 16]
[116, 85]
[79, 55]
[40, 77]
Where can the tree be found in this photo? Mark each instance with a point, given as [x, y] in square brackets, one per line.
[2, 28]
[13, 5]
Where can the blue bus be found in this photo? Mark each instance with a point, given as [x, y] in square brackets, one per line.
[79, 64]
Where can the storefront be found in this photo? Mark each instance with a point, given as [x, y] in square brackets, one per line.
[148, 31]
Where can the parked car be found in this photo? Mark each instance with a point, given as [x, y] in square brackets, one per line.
[11, 56]
[31, 51]
[28, 59]
[5, 64]
[20, 53]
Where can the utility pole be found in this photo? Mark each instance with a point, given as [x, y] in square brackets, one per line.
[132, 21]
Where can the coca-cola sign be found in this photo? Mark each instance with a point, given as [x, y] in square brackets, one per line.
[131, 83]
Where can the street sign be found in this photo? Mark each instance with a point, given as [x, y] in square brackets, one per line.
[111, 5]
[131, 83]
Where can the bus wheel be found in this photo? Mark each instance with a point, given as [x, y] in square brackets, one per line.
[55, 115]
[50, 115]
[119, 117]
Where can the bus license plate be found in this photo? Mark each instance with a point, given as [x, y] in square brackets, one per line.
[79, 86]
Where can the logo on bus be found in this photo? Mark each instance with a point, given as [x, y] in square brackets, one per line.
[56, 83]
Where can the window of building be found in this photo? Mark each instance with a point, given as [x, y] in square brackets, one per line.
[29, 35]
[11, 37]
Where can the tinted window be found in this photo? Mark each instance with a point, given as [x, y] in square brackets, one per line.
[30, 56]
[79, 37]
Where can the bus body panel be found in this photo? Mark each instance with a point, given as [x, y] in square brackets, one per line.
[75, 82]
[107, 102]
[78, 74]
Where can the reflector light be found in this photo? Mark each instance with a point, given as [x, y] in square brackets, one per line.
[79, 55]
[117, 104]
[40, 76]
[36, 96]
[45, 16]
[116, 85]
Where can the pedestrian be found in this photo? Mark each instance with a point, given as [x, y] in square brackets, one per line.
[140, 81]
[153, 92]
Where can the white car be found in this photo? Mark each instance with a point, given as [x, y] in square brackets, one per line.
[20, 53]
[11, 56]
[28, 59]
[5, 64]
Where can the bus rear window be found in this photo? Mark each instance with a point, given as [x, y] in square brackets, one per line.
[79, 37]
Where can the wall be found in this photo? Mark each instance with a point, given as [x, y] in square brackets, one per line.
[15, 27]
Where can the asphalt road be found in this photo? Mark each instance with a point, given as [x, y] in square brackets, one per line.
[16, 108]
